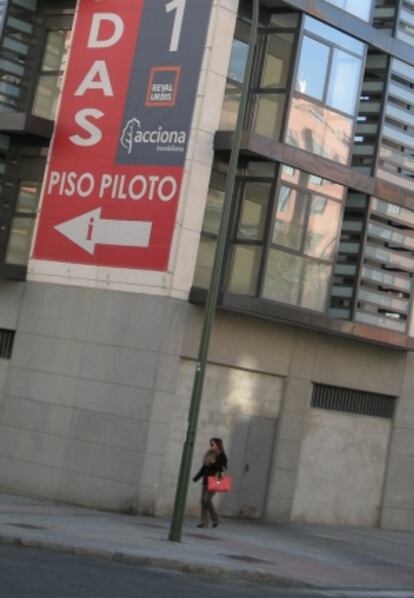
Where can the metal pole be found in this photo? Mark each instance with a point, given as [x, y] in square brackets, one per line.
[188, 448]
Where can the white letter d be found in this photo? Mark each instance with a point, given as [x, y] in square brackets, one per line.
[97, 19]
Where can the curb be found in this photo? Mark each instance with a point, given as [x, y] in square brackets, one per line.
[155, 562]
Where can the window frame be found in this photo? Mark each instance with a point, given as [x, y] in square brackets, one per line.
[53, 22]
[331, 48]
[300, 252]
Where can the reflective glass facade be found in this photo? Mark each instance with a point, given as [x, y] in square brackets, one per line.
[34, 45]
[327, 231]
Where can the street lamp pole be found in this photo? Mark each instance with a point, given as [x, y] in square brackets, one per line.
[210, 307]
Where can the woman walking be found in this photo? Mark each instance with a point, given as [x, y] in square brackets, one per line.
[214, 464]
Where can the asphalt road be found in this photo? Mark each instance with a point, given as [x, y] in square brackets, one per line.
[28, 573]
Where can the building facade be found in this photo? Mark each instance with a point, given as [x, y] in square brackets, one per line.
[116, 130]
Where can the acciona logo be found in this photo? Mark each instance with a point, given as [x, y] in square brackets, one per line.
[167, 141]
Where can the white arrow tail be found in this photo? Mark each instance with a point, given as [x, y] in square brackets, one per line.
[88, 230]
[122, 233]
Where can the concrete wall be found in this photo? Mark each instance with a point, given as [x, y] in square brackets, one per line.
[96, 397]
[11, 294]
[398, 505]
[302, 358]
[91, 375]
[341, 469]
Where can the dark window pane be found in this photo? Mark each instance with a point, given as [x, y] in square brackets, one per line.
[284, 20]
[309, 79]
[277, 60]
[260, 168]
[253, 211]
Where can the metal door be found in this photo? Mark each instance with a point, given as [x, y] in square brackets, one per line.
[250, 456]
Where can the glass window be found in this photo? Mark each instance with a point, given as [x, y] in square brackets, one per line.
[28, 197]
[310, 80]
[19, 241]
[253, 211]
[50, 79]
[47, 95]
[323, 228]
[284, 20]
[269, 115]
[319, 131]
[358, 8]
[210, 228]
[306, 231]
[393, 211]
[327, 73]
[244, 269]
[238, 60]
[344, 81]
[389, 258]
[316, 279]
[385, 278]
[55, 55]
[212, 214]
[290, 218]
[260, 168]
[234, 82]
[277, 60]
[230, 109]
[383, 322]
[205, 260]
[282, 277]
[334, 36]
[312, 182]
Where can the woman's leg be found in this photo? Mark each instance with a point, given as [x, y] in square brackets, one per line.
[204, 505]
[209, 507]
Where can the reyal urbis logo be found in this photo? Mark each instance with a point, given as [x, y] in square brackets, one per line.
[163, 86]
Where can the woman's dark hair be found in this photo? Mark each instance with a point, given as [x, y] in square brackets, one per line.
[219, 444]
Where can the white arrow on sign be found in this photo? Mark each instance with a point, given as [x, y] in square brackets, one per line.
[88, 230]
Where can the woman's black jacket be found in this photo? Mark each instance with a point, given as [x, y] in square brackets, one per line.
[219, 465]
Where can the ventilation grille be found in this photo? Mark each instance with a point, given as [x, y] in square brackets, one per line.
[6, 343]
[346, 400]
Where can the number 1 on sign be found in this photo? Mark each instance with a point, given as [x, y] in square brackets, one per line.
[179, 6]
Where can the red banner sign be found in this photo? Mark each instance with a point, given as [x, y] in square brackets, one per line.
[115, 166]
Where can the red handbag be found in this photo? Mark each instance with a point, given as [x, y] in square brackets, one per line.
[219, 484]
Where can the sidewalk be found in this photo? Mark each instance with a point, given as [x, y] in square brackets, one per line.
[303, 555]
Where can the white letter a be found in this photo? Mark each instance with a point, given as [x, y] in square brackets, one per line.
[103, 82]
